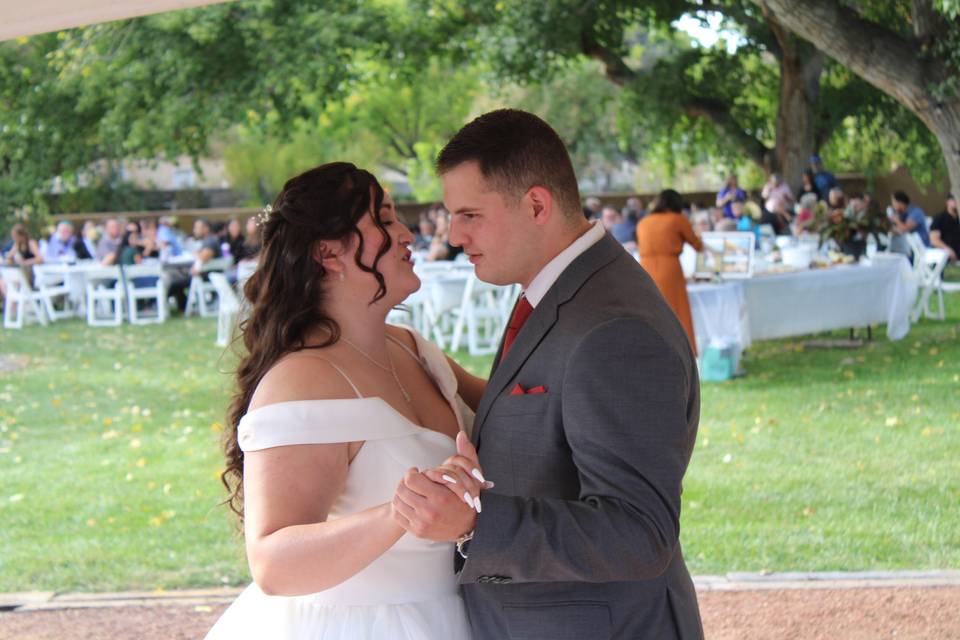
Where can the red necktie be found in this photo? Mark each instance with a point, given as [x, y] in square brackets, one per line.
[520, 314]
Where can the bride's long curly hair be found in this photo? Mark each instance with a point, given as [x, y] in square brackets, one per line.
[286, 292]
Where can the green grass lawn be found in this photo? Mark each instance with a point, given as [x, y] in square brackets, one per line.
[817, 459]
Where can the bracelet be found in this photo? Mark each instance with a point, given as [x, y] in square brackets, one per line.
[462, 542]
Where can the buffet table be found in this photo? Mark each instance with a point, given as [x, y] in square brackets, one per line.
[798, 303]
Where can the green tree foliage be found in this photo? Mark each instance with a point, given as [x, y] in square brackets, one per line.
[390, 119]
[165, 85]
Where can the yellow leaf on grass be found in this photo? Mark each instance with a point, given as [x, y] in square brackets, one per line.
[892, 421]
[926, 432]
[142, 462]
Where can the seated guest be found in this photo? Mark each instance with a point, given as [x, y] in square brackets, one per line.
[22, 251]
[778, 200]
[130, 249]
[730, 193]
[700, 221]
[623, 231]
[234, 238]
[209, 245]
[147, 231]
[945, 230]
[592, 208]
[426, 229]
[906, 218]
[720, 222]
[808, 185]
[208, 249]
[440, 247]
[836, 199]
[85, 244]
[167, 238]
[251, 246]
[823, 180]
[60, 246]
[107, 247]
[634, 210]
[805, 218]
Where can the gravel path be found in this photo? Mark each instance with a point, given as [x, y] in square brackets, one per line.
[906, 613]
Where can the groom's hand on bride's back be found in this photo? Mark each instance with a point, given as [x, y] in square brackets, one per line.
[442, 503]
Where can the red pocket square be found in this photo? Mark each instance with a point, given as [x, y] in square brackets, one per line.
[520, 391]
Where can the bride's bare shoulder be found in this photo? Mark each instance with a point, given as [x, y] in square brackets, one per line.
[303, 375]
[403, 334]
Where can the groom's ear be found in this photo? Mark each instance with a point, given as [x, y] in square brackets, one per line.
[541, 203]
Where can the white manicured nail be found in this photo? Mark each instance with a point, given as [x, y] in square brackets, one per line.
[476, 504]
[476, 474]
[449, 479]
[489, 484]
[468, 499]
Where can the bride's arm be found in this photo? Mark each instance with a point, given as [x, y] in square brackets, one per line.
[291, 547]
[469, 386]
[288, 492]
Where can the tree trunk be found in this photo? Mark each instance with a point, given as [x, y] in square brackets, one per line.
[800, 72]
[883, 58]
[944, 122]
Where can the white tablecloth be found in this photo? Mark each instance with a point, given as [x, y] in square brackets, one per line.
[804, 302]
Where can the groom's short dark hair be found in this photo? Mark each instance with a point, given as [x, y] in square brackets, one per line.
[515, 150]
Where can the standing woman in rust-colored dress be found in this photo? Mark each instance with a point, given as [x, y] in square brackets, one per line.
[660, 239]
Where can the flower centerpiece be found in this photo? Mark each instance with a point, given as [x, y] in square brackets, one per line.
[849, 226]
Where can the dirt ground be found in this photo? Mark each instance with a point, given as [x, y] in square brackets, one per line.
[807, 614]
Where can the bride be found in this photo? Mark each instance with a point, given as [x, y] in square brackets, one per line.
[334, 406]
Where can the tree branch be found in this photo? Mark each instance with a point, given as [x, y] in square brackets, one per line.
[928, 23]
[614, 66]
[878, 55]
[718, 113]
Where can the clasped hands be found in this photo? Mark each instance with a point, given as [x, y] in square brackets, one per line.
[442, 503]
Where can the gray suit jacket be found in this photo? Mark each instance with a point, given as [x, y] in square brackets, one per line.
[580, 537]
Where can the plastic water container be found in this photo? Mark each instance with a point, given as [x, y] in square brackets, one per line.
[717, 362]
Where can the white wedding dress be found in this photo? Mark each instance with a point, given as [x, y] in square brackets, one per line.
[408, 593]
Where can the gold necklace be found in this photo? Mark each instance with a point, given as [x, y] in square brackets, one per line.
[391, 369]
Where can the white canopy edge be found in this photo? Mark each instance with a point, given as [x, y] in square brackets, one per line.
[29, 17]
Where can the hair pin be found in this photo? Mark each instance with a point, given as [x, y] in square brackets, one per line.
[264, 216]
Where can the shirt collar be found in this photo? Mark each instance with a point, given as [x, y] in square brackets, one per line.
[552, 270]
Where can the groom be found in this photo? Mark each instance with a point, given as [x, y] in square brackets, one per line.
[588, 420]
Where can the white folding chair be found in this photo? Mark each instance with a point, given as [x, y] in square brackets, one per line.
[932, 265]
[441, 303]
[245, 269]
[51, 283]
[104, 297]
[145, 282]
[484, 313]
[227, 308]
[23, 303]
[202, 295]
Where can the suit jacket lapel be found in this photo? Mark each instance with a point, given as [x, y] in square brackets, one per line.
[540, 322]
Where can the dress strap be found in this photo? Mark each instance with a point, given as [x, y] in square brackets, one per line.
[338, 370]
[413, 354]
[345, 377]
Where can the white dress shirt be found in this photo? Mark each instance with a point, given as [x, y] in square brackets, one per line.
[552, 270]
